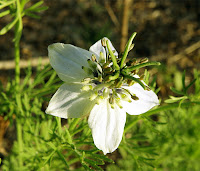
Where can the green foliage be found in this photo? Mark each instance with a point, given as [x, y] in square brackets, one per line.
[17, 9]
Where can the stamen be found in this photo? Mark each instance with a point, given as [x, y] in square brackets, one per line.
[147, 88]
[98, 68]
[87, 87]
[94, 58]
[144, 60]
[86, 80]
[125, 98]
[103, 42]
[118, 90]
[111, 101]
[134, 97]
[130, 82]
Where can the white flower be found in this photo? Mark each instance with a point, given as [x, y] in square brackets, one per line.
[89, 89]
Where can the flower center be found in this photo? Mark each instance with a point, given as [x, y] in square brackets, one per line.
[110, 73]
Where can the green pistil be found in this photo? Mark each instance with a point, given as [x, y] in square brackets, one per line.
[127, 49]
[116, 66]
[129, 69]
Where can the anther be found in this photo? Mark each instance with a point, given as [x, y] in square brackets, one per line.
[98, 68]
[103, 42]
[94, 58]
[87, 87]
[130, 82]
[134, 97]
[86, 80]
[142, 77]
[144, 60]
[118, 90]
[147, 88]
[111, 101]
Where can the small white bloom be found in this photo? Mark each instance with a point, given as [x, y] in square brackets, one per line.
[89, 89]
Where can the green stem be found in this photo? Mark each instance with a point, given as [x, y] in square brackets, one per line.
[17, 66]
[18, 33]
[116, 66]
[129, 69]
[58, 120]
[127, 49]
[20, 143]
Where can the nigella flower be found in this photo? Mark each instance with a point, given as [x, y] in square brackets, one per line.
[99, 83]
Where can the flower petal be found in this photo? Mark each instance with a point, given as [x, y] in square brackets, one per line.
[107, 126]
[147, 100]
[70, 102]
[68, 60]
[97, 48]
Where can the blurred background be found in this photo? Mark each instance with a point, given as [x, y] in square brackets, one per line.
[167, 31]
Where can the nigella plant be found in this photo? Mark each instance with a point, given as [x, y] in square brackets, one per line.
[99, 83]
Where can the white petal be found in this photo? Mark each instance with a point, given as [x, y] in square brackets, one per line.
[68, 60]
[97, 48]
[147, 100]
[107, 126]
[70, 102]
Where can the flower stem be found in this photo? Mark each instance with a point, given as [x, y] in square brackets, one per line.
[127, 49]
[116, 66]
[17, 38]
[20, 142]
[18, 33]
